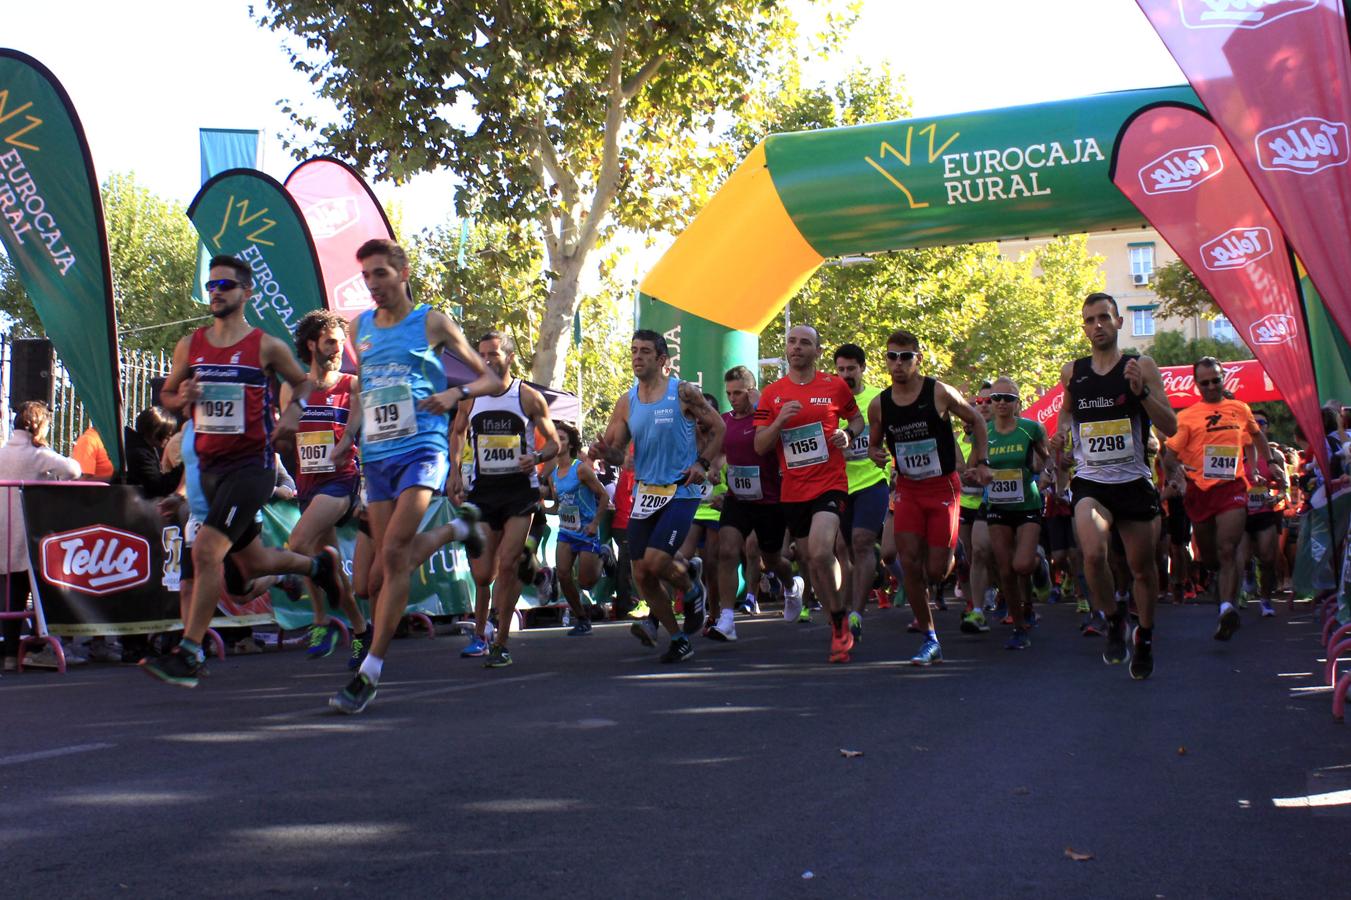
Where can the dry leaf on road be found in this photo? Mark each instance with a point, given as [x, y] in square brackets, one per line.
[850, 754]
[1078, 855]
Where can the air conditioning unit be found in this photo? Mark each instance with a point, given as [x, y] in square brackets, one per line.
[1139, 279]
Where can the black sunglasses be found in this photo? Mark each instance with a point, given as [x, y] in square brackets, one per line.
[901, 355]
[223, 284]
[1209, 382]
[1262, 422]
[1004, 398]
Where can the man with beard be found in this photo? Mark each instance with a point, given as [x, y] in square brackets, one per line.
[865, 509]
[501, 430]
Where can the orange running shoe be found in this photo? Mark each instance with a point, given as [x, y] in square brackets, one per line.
[841, 642]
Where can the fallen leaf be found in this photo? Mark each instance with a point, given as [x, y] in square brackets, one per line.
[1181, 751]
[850, 754]
[1078, 855]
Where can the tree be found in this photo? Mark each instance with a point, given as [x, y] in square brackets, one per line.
[1172, 348]
[1181, 294]
[577, 116]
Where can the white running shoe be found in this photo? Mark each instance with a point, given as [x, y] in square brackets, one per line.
[792, 599]
[725, 630]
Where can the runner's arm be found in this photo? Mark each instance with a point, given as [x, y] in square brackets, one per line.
[615, 441]
[877, 450]
[1040, 452]
[343, 450]
[948, 400]
[442, 332]
[710, 424]
[1155, 401]
[459, 432]
[278, 357]
[587, 476]
[180, 388]
[1258, 448]
[535, 406]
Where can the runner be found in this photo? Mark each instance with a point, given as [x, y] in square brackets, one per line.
[1266, 517]
[222, 374]
[664, 418]
[1214, 446]
[581, 501]
[1112, 399]
[501, 429]
[402, 410]
[976, 570]
[865, 509]
[913, 421]
[1017, 454]
[700, 548]
[800, 414]
[328, 494]
[751, 507]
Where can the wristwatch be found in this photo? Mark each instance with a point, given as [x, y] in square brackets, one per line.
[708, 466]
[1144, 392]
[981, 462]
[465, 393]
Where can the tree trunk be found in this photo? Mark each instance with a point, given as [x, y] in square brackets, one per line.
[555, 332]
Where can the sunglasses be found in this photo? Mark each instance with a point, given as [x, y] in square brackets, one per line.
[223, 284]
[1262, 422]
[901, 355]
[980, 401]
[1004, 398]
[1209, 382]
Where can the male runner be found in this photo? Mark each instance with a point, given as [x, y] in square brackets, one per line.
[1266, 514]
[402, 410]
[913, 418]
[1214, 446]
[800, 414]
[1111, 400]
[865, 509]
[223, 374]
[328, 493]
[973, 533]
[501, 428]
[664, 418]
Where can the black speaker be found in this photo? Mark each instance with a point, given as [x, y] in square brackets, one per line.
[30, 371]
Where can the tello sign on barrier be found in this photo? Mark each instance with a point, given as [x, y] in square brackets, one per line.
[1273, 329]
[1304, 146]
[96, 560]
[1181, 169]
[1239, 13]
[1236, 248]
[332, 216]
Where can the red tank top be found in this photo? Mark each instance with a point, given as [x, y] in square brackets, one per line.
[322, 425]
[233, 418]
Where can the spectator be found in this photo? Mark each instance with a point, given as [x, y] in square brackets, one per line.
[145, 450]
[26, 457]
[92, 455]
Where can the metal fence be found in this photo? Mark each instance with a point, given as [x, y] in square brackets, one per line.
[137, 369]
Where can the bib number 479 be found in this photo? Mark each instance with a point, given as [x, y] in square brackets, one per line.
[387, 414]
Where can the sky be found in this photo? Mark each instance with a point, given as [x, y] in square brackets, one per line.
[145, 75]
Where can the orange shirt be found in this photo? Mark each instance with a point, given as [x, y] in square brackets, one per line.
[810, 464]
[1210, 440]
[92, 456]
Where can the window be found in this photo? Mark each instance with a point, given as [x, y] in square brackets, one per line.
[1221, 329]
[1142, 321]
[1142, 263]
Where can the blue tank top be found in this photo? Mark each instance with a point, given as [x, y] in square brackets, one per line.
[576, 503]
[395, 358]
[663, 439]
[198, 507]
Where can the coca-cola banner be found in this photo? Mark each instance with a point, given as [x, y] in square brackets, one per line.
[1275, 77]
[1244, 379]
[1179, 171]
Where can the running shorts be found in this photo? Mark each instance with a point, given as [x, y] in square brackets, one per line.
[1259, 522]
[764, 519]
[1204, 505]
[235, 498]
[930, 509]
[423, 467]
[866, 508]
[799, 514]
[580, 543]
[664, 530]
[499, 506]
[1130, 501]
[1012, 518]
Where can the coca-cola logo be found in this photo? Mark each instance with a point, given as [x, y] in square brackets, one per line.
[1236, 248]
[332, 216]
[1181, 169]
[1274, 328]
[96, 560]
[352, 295]
[1052, 409]
[1304, 146]
[1239, 13]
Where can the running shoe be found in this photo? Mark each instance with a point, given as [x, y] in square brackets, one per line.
[749, 606]
[1001, 612]
[328, 574]
[1243, 600]
[1053, 595]
[1228, 624]
[679, 651]
[1019, 640]
[1267, 609]
[498, 657]
[175, 668]
[640, 610]
[354, 698]
[991, 600]
[477, 538]
[841, 642]
[1094, 624]
[1142, 657]
[792, 603]
[724, 629]
[1115, 650]
[771, 585]
[323, 641]
[1007, 620]
[856, 626]
[1189, 594]
[929, 653]
[1032, 618]
[645, 631]
[883, 599]
[1081, 607]
[936, 592]
[528, 567]
[581, 628]
[805, 617]
[694, 599]
[477, 646]
[974, 623]
[361, 648]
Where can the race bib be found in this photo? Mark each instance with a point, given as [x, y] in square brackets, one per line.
[1007, 486]
[1221, 463]
[497, 453]
[1259, 498]
[220, 410]
[858, 448]
[467, 475]
[744, 482]
[651, 498]
[387, 413]
[918, 459]
[1107, 443]
[315, 449]
[570, 517]
[804, 446]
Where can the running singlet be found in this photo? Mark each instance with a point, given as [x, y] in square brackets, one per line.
[919, 438]
[973, 495]
[751, 478]
[322, 426]
[810, 465]
[233, 417]
[664, 448]
[500, 433]
[398, 370]
[1014, 483]
[707, 512]
[1210, 439]
[861, 471]
[1109, 427]
[576, 503]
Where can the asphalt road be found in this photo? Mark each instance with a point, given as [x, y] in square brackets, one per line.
[590, 769]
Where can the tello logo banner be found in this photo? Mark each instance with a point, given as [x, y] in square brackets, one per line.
[1239, 13]
[1181, 169]
[1236, 248]
[332, 216]
[1273, 329]
[352, 294]
[96, 560]
[1304, 146]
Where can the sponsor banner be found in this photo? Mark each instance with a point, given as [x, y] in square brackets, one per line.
[52, 229]
[247, 214]
[1245, 379]
[1219, 226]
[1275, 78]
[221, 149]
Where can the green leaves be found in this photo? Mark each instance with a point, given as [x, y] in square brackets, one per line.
[1181, 294]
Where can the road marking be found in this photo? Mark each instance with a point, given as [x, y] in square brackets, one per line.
[51, 754]
[1333, 798]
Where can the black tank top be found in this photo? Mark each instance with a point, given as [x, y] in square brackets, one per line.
[1110, 427]
[920, 440]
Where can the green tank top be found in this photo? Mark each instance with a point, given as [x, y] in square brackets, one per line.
[861, 471]
[1015, 483]
[972, 496]
[706, 511]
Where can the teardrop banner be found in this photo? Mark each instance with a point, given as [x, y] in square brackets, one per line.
[247, 214]
[51, 225]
